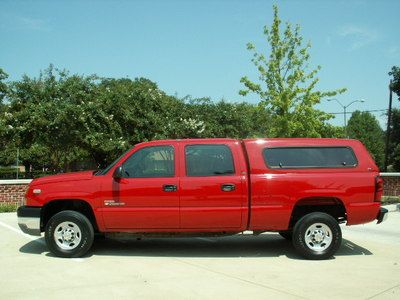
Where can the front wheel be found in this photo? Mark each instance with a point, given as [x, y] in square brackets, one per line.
[69, 234]
[317, 236]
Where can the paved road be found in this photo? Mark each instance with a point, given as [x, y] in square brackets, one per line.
[367, 266]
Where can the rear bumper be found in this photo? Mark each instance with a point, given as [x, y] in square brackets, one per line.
[382, 215]
[29, 219]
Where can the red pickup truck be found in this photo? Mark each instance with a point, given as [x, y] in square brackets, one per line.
[301, 188]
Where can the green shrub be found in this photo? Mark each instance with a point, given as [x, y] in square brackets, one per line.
[8, 208]
[390, 199]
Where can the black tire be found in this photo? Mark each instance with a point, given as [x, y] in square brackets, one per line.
[314, 249]
[288, 235]
[83, 229]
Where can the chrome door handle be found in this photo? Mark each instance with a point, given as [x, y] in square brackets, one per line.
[170, 188]
[229, 187]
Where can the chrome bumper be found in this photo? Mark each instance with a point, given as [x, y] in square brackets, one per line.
[382, 215]
[29, 219]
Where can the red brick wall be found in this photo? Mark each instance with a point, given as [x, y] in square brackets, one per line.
[12, 194]
[391, 186]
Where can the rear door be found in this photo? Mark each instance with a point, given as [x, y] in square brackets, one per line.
[212, 189]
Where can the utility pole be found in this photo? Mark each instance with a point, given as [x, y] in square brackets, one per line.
[388, 127]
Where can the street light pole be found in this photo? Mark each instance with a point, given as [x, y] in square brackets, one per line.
[345, 110]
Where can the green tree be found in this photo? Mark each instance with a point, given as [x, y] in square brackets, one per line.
[41, 118]
[331, 131]
[395, 73]
[396, 158]
[287, 86]
[65, 122]
[59, 120]
[3, 128]
[394, 145]
[197, 118]
[3, 85]
[365, 127]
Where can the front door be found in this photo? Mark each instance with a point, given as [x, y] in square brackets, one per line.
[147, 197]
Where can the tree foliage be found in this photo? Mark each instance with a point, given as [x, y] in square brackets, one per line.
[64, 122]
[3, 85]
[287, 86]
[394, 145]
[365, 127]
[395, 73]
[3, 93]
[202, 117]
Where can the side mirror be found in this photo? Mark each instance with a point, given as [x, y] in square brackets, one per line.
[118, 173]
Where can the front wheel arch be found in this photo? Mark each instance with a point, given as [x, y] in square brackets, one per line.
[57, 205]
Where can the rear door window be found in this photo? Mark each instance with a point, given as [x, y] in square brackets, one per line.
[309, 157]
[209, 160]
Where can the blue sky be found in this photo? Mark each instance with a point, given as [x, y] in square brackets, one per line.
[198, 48]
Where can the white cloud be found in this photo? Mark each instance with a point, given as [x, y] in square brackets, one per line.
[33, 23]
[357, 36]
[18, 22]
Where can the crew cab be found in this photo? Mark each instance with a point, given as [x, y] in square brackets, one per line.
[301, 188]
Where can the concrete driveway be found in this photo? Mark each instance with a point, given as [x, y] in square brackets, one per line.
[367, 266]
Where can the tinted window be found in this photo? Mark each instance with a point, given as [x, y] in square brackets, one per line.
[310, 157]
[209, 160]
[102, 172]
[155, 161]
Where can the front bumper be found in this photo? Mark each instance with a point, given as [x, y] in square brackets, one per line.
[29, 219]
[382, 215]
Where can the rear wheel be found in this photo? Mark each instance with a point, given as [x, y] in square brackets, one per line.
[69, 234]
[317, 236]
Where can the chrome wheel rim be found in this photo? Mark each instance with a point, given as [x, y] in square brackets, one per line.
[67, 235]
[318, 237]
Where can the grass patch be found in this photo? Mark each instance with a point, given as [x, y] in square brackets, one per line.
[8, 208]
[390, 199]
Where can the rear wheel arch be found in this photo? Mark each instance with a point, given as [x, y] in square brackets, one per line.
[57, 205]
[332, 206]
